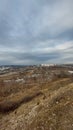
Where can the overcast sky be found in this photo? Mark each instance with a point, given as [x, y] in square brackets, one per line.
[36, 31]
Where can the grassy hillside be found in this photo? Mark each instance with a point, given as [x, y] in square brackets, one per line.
[38, 103]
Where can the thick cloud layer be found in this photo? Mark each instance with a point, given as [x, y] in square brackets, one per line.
[36, 31]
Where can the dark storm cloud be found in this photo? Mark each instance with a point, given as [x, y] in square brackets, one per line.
[36, 31]
[66, 35]
[36, 58]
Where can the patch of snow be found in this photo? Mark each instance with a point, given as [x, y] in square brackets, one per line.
[19, 80]
[70, 72]
[6, 81]
[3, 68]
[35, 75]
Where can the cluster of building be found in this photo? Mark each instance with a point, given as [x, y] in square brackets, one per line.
[48, 65]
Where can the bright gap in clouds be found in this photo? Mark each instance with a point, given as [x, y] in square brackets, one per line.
[35, 32]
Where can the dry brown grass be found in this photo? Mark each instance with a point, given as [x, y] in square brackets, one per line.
[41, 106]
[13, 102]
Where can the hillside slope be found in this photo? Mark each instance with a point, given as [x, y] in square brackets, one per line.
[37, 106]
